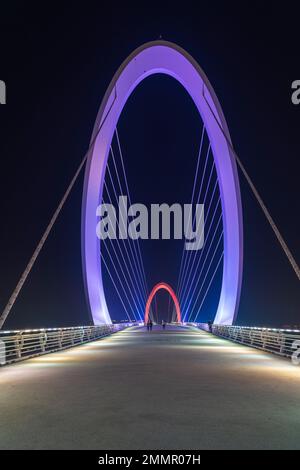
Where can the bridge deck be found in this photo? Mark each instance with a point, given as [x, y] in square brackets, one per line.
[151, 390]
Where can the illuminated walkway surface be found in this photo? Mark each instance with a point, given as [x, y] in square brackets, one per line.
[161, 390]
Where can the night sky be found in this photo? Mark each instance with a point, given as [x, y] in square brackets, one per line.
[57, 65]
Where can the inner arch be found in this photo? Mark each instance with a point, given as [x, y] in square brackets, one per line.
[168, 288]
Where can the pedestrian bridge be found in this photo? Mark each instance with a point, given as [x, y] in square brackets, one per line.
[106, 386]
[179, 388]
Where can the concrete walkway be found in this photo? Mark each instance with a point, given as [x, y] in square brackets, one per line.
[173, 389]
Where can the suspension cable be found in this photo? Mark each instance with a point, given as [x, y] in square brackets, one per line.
[135, 277]
[207, 271]
[112, 280]
[49, 227]
[156, 309]
[122, 271]
[190, 281]
[136, 272]
[192, 199]
[128, 192]
[211, 280]
[204, 201]
[122, 286]
[134, 251]
[202, 231]
[198, 199]
[199, 277]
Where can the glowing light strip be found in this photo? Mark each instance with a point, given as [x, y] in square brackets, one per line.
[133, 260]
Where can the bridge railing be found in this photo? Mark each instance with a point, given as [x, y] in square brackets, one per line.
[18, 345]
[275, 340]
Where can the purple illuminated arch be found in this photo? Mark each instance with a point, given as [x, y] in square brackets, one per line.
[166, 58]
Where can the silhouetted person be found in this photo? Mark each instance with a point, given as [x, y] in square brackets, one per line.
[148, 325]
[163, 325]
[151, 325]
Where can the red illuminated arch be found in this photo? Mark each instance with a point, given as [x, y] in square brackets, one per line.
[165, 286]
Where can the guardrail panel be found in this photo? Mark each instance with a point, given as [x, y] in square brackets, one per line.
[275, 340]
[18, 345]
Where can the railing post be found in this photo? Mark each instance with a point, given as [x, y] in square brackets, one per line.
[281, 340]
[60, 338]
[43, 340]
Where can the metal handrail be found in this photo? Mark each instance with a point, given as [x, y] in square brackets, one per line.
[17, 345]
[275, 340]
